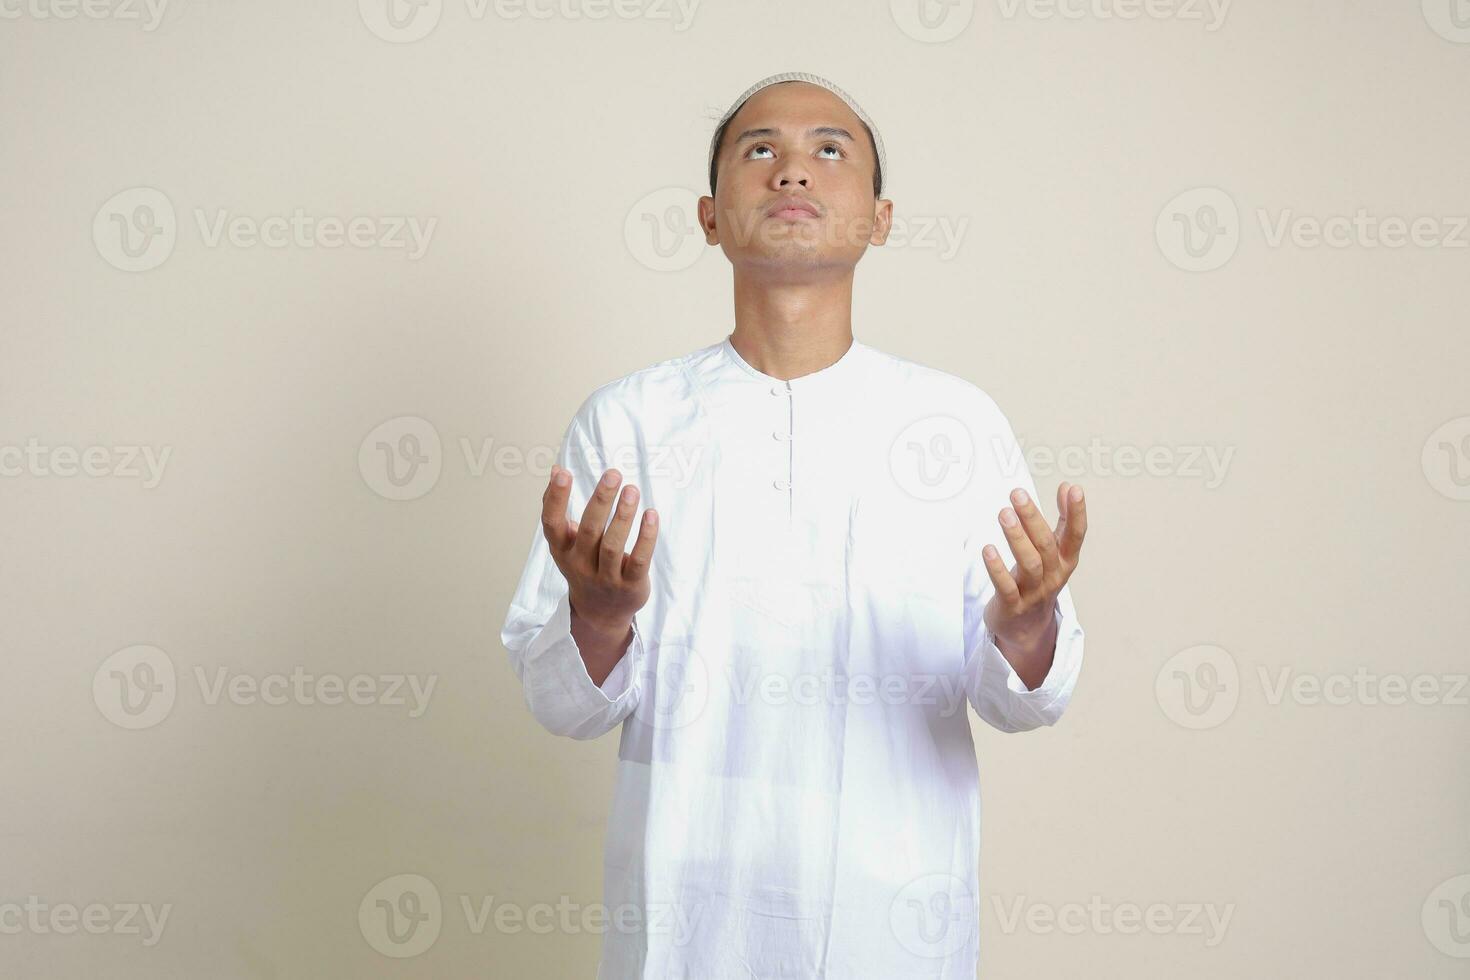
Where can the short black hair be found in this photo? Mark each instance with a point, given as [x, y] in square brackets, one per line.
[714, 162]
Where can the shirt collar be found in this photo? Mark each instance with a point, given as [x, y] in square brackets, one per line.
[837, 370]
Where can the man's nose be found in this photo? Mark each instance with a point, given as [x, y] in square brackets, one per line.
[794, 172]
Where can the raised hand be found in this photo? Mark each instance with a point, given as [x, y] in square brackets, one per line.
[1020, 614]
[606, 585]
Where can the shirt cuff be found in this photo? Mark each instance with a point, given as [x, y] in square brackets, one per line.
[620, 680]
[559, 689]
[1048, 688]
[1003, 699]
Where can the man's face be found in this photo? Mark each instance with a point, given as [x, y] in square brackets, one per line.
[794, 140]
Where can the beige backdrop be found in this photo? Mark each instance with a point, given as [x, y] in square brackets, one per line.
[1212, 262]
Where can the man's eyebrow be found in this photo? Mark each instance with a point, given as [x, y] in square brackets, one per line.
[832, 132]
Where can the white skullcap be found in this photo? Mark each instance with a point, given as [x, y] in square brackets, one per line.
[801, 76]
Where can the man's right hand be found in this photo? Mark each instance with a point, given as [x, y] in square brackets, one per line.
[606, 586]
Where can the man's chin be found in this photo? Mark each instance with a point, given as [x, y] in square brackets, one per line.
[794, 259]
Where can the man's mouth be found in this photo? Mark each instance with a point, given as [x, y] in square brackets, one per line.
[792, 209]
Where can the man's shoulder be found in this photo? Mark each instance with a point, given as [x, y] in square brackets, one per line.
[664, 385]
[932, 385]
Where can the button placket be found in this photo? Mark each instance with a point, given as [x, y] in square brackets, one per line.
[784, 484]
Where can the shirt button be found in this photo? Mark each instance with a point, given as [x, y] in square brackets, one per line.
[780, 435]
[780, 390]
[781, 485]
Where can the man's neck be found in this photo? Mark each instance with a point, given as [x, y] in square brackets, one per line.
[789, 329]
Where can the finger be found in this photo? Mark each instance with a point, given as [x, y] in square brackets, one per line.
[554, 510]
[610, 555]
[1037, 530]
[1072, 535]
[635, 564]
[594, 515]
[1005, 585]
[1061, 510]
[1028, 561]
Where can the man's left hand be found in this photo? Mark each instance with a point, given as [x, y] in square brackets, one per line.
[1021, 613]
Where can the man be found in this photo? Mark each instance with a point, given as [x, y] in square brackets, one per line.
[839, 550]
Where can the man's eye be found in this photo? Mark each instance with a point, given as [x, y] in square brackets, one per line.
[834, 146]
[760, 146]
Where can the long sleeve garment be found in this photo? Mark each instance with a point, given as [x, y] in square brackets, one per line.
[797, 792]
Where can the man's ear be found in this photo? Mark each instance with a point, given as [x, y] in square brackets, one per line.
[707, 220]
[882, 221]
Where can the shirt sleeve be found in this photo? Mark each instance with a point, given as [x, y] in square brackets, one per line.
[538, 627]
[992, 685]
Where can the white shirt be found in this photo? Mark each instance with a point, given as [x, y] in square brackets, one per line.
[797, 792]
